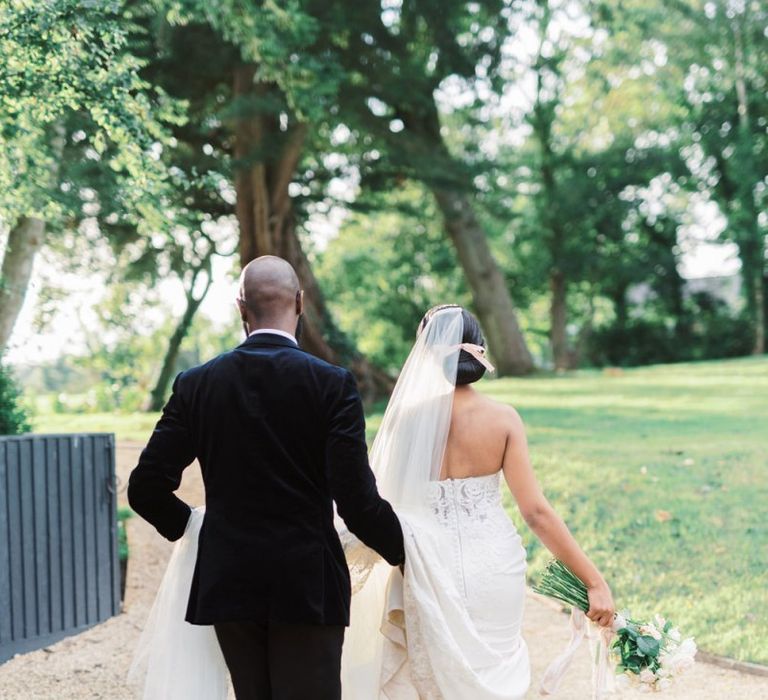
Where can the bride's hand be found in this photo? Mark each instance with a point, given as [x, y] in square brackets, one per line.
[601, 607]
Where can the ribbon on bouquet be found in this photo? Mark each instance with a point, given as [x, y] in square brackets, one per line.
[478, 352]
[602, 678]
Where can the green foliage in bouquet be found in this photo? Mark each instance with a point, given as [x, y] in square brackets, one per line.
[636, 650]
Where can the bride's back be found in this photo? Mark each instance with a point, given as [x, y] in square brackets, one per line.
[478, 436]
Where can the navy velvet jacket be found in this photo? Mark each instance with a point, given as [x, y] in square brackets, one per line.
[279, 435]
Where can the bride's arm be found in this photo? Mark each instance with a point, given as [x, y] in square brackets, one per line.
[548, 525]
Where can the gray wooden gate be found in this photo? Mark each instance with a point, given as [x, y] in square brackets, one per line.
[59, 570]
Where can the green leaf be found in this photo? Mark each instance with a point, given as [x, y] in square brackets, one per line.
[648, 646]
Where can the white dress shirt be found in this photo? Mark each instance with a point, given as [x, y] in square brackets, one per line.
[274, 331]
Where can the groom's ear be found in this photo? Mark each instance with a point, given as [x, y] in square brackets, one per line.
[300, 302]
[241, 308]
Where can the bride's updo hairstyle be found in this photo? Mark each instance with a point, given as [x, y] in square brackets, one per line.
[469, 369]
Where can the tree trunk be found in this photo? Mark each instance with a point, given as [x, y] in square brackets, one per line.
[558, 314]
[490, 296]
[158, 395]
[620, 306]
[584, 336]
[491, 299]
[266, 158]
[24, 241]
[752, 250]
[765, 303]
[547, 200]
[759, 348]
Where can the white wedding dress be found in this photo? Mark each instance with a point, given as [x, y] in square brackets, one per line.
[460, 605]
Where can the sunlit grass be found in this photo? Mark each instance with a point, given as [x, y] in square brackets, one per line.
[661, 474]
[126, 426]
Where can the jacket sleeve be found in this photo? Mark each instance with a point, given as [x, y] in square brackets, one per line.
[353, 485]
[169, 451]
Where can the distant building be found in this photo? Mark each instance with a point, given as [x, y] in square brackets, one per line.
[726, 288]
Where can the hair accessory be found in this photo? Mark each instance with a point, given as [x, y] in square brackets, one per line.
[478, 352]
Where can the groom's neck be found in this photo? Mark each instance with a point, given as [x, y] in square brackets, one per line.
[286, 325]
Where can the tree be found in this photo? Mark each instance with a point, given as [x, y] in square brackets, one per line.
[590, 140]
[729, 112]
[715, 56]
[271, 72]
[77, 55]
[185, 253]
[400, 61]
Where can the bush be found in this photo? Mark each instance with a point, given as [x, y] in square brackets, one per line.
[122, 546]
[13, 416]
[637, 342]
[708, 334]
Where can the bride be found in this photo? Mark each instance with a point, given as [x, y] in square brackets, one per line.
[449, 625]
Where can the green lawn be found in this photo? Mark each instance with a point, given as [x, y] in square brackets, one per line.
[659, 471]
[126, 426]
[661, 474]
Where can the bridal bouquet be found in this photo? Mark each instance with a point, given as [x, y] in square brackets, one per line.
[647, 654]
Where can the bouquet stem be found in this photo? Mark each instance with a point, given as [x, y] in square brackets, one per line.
[561, 583]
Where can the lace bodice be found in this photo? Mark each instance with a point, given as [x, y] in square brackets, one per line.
[471, 498]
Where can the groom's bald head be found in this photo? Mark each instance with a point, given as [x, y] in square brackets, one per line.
[270, 294]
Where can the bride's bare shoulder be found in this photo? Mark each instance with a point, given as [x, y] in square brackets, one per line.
[503, 414]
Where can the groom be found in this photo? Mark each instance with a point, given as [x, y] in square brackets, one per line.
[279, 435]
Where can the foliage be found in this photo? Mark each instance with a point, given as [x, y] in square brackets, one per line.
[122, 362]
[587, 134]
[99, 120]
[383, 271]
[706, 329]
[123, 514]
[13, 416]
[711, 61]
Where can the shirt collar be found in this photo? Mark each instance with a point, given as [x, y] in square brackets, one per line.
[273, 331]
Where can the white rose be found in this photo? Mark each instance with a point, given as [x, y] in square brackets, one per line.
[663, 683]
[647, 676]
[662, 672]
[687, 647]
[680, 664]
[674, 634]
[645, 688]
[619, 622]
[650, 631]
[665, 660]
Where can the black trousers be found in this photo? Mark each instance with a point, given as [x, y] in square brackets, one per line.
[282, 662]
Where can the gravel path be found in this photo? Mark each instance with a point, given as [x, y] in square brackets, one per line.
[94, 663]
